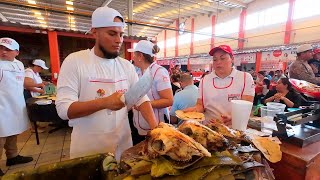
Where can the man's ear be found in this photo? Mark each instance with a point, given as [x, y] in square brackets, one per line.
[17, 52]
[94, 32]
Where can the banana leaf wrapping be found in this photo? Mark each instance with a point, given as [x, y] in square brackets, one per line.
[231, 164]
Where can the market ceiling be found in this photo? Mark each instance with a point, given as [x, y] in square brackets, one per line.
[149, 18]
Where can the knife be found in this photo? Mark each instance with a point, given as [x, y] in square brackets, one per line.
[138, 90]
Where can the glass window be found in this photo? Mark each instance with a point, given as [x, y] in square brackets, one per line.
[275, 15]
[228, 27]
[171, 42]
[203, 34]
[184, 38]
[306, 8]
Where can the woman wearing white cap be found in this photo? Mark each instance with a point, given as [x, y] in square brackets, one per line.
[160, 95]
[225, 83]
[32, 75]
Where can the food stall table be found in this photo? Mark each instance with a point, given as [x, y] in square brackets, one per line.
[298, 163]
[43, 113]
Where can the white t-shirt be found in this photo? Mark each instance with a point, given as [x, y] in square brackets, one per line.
[161, 81]
[84, 77]
[216, 93]
[36, 79]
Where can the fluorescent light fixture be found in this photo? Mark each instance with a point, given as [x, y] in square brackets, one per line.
[155, 17]
[71, 18]
[72, 25]
[42, 22]
[152, 21]
[70, 8]
[37, 13]
[32, 2]
[40, 18]
[72, 22]
[69, 3]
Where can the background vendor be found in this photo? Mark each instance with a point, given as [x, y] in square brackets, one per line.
[224, 84]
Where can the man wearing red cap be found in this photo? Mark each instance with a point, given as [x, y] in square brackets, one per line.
[224, 84]
[315, 62]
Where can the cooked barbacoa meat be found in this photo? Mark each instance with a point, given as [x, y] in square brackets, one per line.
[208, 138]
[232, 135]
[168, 141]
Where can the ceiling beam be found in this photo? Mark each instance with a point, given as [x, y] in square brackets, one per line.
[4, 19]
[106, 3]
[193, 5]
[236, 2]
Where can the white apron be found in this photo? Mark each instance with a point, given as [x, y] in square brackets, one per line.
[13, 112]
[139, 122]
[36, 79]
[103, 131]
[216, 100]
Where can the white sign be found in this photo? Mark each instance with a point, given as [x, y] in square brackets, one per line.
[244, 59]
[278, 55]
[200, 60]
[271, 65]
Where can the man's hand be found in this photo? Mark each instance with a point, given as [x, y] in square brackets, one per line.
[41, 85]
[113, 101]
[41, 91]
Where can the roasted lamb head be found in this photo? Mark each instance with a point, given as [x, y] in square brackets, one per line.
[168, 141]
[209, 139]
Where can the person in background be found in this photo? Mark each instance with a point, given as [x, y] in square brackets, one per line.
[266, 86]
[224, 84]
[300, 69]
[175, 79]
[177, 67]
[270, 76]
[202, 76]
[185, 98]
[284, 94]
[315, 62]
[32, 75]
[160, 94]
[260, 78]
[13, 112]
[90, 86]
[278, 75]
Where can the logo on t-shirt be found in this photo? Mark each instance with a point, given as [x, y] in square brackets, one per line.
[233, 97]
[100, 93]
[165, 79]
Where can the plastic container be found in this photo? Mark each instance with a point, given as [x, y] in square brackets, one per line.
[276, 106]
[241, 111]
[265, 111]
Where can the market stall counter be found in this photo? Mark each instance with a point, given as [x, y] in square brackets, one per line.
[298, 163]
[43, 109]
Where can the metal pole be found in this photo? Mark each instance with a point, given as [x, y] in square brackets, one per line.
[130, 16]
